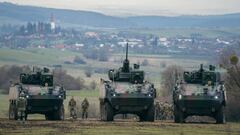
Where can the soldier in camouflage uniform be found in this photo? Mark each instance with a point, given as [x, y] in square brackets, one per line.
[157, 111]
[21, 106]
[85, 105]
[72, 108]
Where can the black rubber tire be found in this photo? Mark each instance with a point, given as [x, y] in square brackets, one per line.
[178, 115]
[59, 114]
[147, 115]
[220, 116]
[49, 116]
[141, 117]
[108, 111]
[150, 113]
[26, 116]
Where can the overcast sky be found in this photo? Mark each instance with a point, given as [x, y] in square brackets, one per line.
[141, 7]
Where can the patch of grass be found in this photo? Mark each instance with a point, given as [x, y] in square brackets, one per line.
[4, 103]
[83, 93]
[117, 128]
[206, 32]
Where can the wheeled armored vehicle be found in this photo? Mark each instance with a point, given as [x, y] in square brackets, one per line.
[200, 93]
[42, 96]
[126, 92]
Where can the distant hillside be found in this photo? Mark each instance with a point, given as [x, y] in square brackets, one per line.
[12, 13]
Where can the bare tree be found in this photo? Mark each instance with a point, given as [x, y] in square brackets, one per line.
[170, 76]
[230, 62]
[70, 83]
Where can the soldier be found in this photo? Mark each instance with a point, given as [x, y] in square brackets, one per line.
[21, 106]
[157, 110]
[85, 105]
[207, 88]
[44, 89]
[72, 108]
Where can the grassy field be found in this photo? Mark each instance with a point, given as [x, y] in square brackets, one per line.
[50, 57]
[171, 32]
[119, 127]
[37, 125]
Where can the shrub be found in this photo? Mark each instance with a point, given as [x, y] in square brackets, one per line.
[79, 60]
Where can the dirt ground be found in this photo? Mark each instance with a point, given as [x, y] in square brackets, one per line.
[118, 127]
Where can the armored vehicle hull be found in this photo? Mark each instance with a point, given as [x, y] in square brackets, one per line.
[41, 96]
[140, 104]
[200, 106]
[127, 92]
[50, 105]
[202, 94]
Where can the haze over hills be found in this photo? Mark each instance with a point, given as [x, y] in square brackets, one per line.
[15, 14]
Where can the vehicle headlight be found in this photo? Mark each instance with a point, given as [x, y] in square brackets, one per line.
[149, 95]
[59, 96]
[215, 97]
[179, 97]
[27, 96]
[114, 94]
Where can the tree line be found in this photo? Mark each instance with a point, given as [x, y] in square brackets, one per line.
[10, 74]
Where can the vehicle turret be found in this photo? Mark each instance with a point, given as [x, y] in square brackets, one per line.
[127, 73]
[202, 76]
[38, 76]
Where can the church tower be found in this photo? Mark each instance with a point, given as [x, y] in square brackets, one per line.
[52, 23]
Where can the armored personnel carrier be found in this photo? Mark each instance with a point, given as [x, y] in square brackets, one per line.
[126, 92]
[200, 93]
[42, 96]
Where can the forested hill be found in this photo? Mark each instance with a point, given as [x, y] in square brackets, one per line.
[15, 14]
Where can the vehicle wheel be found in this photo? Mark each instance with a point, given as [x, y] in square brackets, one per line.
[220, 116]
[178, 115]
[26, 116]
[141, 117]
[108, 111]
[12, 114]
[49, 116]
[59, 114]
[150, 114]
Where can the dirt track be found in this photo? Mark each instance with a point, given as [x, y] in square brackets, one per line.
[117, 127]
